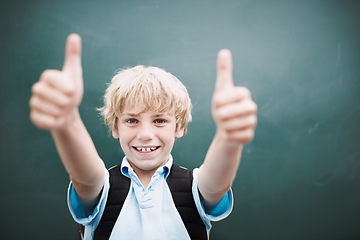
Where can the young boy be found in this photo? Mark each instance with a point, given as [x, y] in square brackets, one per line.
[147, 109]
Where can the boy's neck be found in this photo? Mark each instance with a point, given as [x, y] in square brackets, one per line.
[144, 175]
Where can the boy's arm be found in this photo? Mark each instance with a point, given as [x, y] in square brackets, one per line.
[234, 113]
[54, 107]
[81, 160]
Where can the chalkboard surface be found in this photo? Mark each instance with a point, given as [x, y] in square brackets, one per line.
[299, 178]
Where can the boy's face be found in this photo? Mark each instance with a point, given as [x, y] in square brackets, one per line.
[146, 138]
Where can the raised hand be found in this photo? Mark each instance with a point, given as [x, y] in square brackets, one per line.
[233, 110]
[57, 95]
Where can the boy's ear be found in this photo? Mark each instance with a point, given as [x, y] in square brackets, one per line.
[115, 134]
[179, 133]
[114, 131]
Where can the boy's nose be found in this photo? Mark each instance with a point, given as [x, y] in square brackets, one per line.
[145, 133]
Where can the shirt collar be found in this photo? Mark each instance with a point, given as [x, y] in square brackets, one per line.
[126, 167]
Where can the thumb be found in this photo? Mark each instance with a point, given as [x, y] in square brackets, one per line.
[72, 62]
[224, 78]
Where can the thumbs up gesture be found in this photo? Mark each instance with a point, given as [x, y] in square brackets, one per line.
[57, 95]
[233, 110]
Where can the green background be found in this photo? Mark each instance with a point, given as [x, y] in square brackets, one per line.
[299, 178]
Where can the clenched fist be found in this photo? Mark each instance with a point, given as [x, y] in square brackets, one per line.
[233, 110]
[57, 95]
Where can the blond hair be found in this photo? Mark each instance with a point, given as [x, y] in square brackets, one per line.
[147, 88]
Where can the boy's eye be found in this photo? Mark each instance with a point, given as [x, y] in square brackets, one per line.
[131, 121]
[160, 121]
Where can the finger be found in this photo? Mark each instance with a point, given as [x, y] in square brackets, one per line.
[236, 110]
[242, 136]
[44, 121]
[226, 97]
[235, 124]
[49, 93]
[47, 108]
[72, 62]
[224, 77]
[55, 79]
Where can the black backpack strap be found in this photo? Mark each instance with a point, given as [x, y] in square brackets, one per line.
[119, 188]
[180, 184]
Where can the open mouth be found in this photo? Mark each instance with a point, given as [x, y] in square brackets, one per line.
[146, 149]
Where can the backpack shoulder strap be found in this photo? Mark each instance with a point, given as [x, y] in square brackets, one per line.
[180, 184]
[119, 188]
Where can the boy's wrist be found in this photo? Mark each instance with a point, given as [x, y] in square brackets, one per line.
[71, 121]
[222, 139]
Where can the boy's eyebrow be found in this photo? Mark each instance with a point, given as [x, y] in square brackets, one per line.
[159, 115]
[136, 115]
[162, 115]
[130, 114]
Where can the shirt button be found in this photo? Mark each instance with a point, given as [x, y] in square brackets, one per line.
[145, 205]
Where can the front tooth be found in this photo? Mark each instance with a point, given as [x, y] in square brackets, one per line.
[144, 150]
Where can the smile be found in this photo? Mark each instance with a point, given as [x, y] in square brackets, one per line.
[146, 149]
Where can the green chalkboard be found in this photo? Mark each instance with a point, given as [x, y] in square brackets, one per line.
[298, 179]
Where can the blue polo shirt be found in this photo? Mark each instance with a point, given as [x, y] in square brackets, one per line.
[147, 213]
